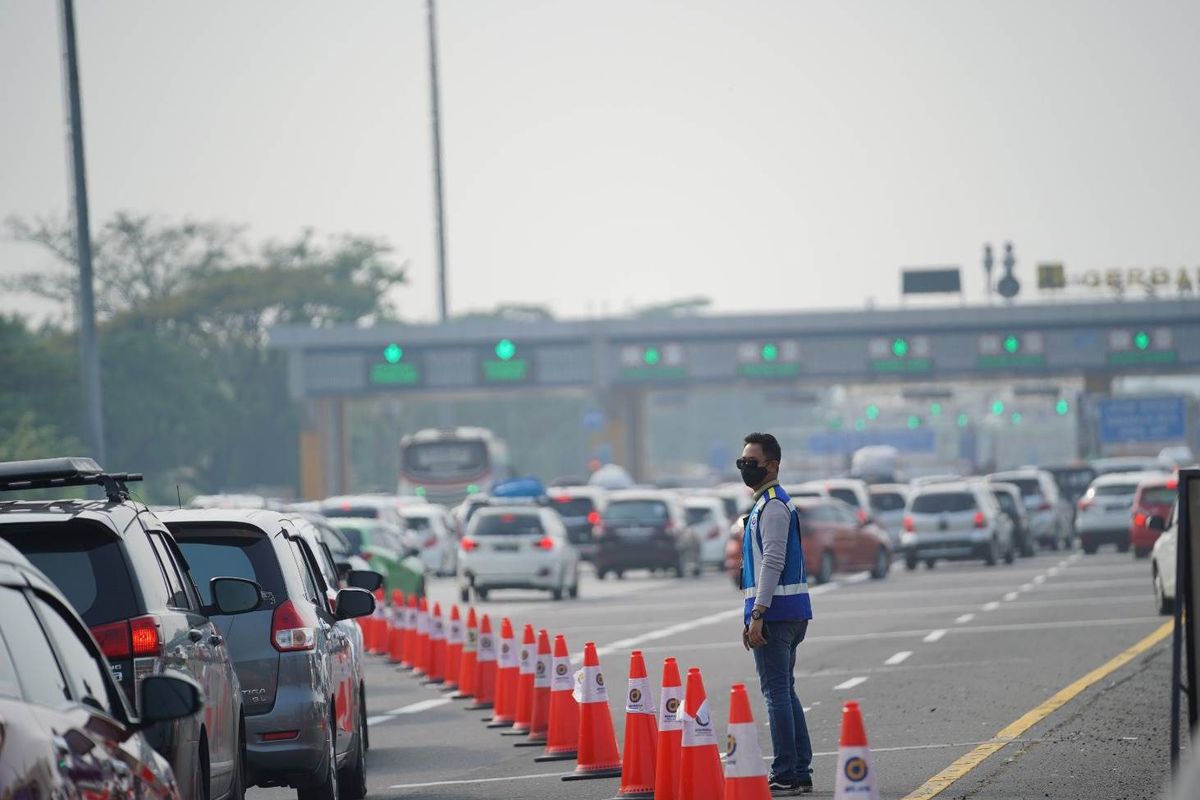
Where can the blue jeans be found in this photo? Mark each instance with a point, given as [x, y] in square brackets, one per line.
[776, 662]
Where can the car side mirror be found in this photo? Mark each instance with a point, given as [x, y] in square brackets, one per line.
[235, 595]
[367, 579]
[353, 603]
[1156, 523]
[171, 696]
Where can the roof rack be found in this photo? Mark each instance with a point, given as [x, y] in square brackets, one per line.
[56, 473]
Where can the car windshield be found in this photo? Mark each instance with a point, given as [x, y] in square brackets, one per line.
[695, 516]
[1030, 487]
[231, 553]
[350, 510]
[847, 496]
[507, 525]
[1159, 496]
[414, 523]
[79, 558]
[887, 501]
[1006, 502]
[645, 512]
[943, 503]
[574, 506]
[1114, 490]
[1074, 482]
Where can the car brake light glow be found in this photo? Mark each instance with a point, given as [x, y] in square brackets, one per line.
[909, 525]
[468, 544]
[144, 634]
[669, 527]
[113, 639]
[280, 736]
[1044, 506]
[1139, 519]
[593, 518]
[980, 520]
[545, 543]
[1085, 503]
[290, 631]
[562, 498]
[431, 541]
[1173, 483]
[862, 516]
[508, 517]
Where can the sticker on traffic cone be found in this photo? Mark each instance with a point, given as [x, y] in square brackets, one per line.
[745, 770]
[641, 733]
[670, 733]
[562, 733]
[395, 622]
[700, 775]
[855, 772]
[454, 646]
[523, 708]
[539, 715]
[466, 663]
[437, 646]
[598, 756]
[485, 667]
[421, 663]
[410, 634]
[507, 666]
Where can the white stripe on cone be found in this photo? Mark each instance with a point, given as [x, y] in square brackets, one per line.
[589, 686]
[855, 775]
[541, 671]
[672, 703]
[639, 699]
[487, 647]
[508, 654]
[562, 680]
[743, 756]
[525, 662]
[422, 622]
[471, 641]
[455, 634]
[437, 631]
[698, 730]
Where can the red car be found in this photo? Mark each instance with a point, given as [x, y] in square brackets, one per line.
[833, 541]
[1154, 498]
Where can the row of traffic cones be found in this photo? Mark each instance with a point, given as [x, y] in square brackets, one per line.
[670, 753]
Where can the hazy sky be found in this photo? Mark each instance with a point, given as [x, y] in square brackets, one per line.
[765, 154]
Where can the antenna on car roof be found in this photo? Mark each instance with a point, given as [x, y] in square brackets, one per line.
[178, 497]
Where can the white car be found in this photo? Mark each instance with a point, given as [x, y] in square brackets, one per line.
[850, 491]
[430, 531]
[955, 521]
[1051, 519]
[1106, 510]
[706, 516]
[517, 547]
[887, 506]
[1162, 561]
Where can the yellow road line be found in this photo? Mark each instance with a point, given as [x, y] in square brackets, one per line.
[944, 779]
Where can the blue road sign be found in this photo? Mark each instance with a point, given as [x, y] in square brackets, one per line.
[1142, 419]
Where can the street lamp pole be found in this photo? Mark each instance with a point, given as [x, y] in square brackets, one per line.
[89, 359]
[436, 124]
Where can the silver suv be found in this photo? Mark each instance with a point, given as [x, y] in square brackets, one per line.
[955, 521]
[1051, 517]
[305, 720]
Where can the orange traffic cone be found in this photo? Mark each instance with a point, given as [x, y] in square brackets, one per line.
[437, 646]
[410, 634]
[562, 733]
[700, 776]
[507, 664]
[523, 709]
[376, 642]
[598, 755]
[745, 770]
[467, 664]
[485, 668]
[454, 646]
[670, 734]
[423, 646]
[395, 621]
[855, 772]
[641, 731]
[539, 715]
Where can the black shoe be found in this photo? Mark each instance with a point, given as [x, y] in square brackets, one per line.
[786, 788]
[806, 784]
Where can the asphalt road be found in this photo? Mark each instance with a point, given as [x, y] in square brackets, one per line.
[941, 661]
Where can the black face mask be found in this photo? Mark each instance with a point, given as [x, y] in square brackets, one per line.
[753, 476]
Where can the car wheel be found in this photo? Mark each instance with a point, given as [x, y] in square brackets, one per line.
[993, 553]
[911, 561]
[882, 563]
[203, 776]
[482, 594]
[362, 704]
[325, 787]
[1054, 541]
[825, 569]
[464, 595]
[557, 593]
[1090, 548]
[1123, 547]
[352, 778]
[1027, 546]
[601, 574]
[1141, 552]
[237, 790]
[930, 563]
[1165, 604]
[620, 574]
[574, 593]
[1010, 555]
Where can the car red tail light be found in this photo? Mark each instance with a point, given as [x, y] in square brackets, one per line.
[468, 544]
[1139, 519]
[669, 528]
[1044, 506]
[545, 543]
[593, 518]
[909, 525]
[137, 638]
[291, 630]
[980, 520]
[113, 639]
[144, 635]
[431, 542]
[862, 517]
[1085, 503]
[366, 555]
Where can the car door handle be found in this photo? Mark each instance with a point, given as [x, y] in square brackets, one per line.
[195, 634]
[216, 640]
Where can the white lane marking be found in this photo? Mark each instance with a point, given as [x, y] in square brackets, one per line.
[964, 619]
[1026, 587]
[1052, 572]
[898, 658]
[916, 747]
[1039, 579]
[992, 606]
[1008, 598]
[466, 782]
[850, 684]
[933, 636]
[423, 705]
[379, 719]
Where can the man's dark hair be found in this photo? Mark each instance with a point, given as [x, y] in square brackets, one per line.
[768, 443]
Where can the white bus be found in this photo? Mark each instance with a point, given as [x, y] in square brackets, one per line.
[444, 465]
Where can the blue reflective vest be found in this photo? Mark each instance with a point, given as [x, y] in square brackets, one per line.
[791, 600]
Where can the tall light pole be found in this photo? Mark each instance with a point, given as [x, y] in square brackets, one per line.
[89, 359]
[436, 124]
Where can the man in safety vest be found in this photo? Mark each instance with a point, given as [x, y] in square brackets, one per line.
[777, 609]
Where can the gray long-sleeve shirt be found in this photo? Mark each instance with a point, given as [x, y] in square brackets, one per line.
[773, 526]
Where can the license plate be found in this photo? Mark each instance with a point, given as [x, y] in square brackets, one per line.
[504, 547]
[635, 533]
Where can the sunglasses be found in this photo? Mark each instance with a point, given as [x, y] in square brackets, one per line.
[748, 463]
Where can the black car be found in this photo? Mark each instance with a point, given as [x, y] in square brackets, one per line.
[582, 511]
[123, 572]
[645, 529]
[67, 730]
